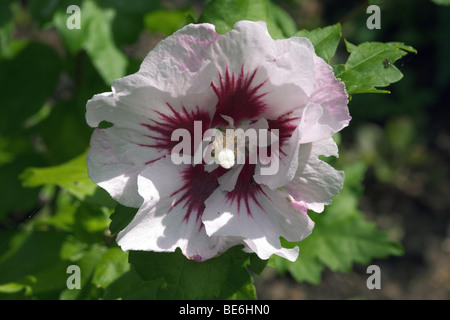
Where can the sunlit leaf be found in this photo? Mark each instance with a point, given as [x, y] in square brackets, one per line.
[225, 13]
[95, 36]
[112, 265]
[72, 176]
[87, 265]
[165, 21]
[371, 65]
[325, 40]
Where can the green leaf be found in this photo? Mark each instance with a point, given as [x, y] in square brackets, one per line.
[325, 40]
[135, 6]
[442, 2]
[15, 197]
[63, 211]
[95, 36]
[112, 265]
[223, 277]
[14, 290]
[121, 217]
[5, 11]
[91, 223]
[165, 21]
[32, 258]
[69, 115]
[71, 176]
[130, 286]
[225, 13]
[282, 20]
[73, 38]
[371, 65]
[87, 264]
[110, 62]
[24, 89]
[9, 45]
[57, 131]
[257, 264]
[341, 237]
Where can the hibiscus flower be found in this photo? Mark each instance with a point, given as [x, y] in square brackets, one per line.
[197, 82]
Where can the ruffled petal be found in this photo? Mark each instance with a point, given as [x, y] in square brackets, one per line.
[329, 92]
[282, 166]
[143, 120]
[161, 223]
[283, 161]
[271, 217]
[312, 126]
[113, 162]
[179, 64]
[264, 249]
[282, 71]
[315, 182]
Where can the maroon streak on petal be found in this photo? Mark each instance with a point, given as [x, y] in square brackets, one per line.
[237, 97]
[161, 130]
[246, 189]
[285, 127]
[198, 186]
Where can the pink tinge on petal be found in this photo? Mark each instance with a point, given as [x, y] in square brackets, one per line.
[238, 97]
[161, 130]
[330, 93]
[196, 258]
[185, 50]
[299, 205]
[194, 58]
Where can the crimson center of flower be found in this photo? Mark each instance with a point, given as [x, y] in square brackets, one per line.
[239, 101]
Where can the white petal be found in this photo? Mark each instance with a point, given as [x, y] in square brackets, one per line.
[330, 93]
[284, 60]
[114, 164]
[312, 126]
[228, 180]
[260, 230]
[282, 167]
[134, 101]
[264, 249]
[179, 64]
[158, 226]
[286, 66]
[315, 182]
[295, 56]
